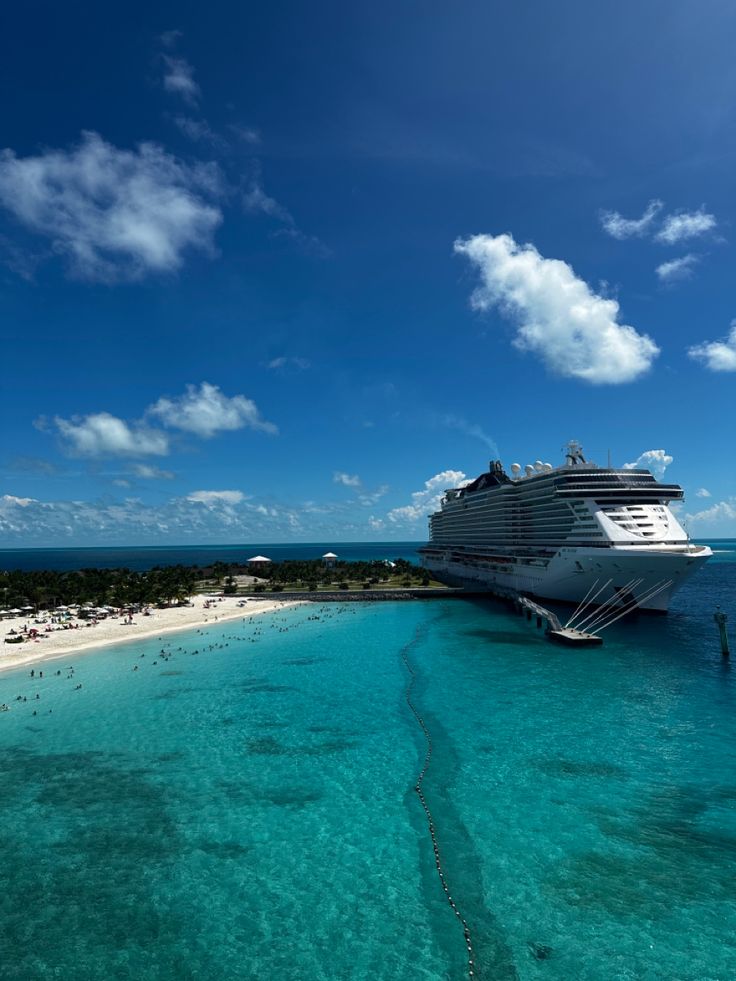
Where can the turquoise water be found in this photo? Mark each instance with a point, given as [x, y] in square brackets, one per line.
[244, 807]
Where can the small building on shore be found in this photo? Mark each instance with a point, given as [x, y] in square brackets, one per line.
[259, 563]
[329, 558]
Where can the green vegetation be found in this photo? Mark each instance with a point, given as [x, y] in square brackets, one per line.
[315, 575]
[98, 587]
[164, 586]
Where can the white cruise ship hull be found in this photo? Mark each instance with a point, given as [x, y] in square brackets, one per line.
[570, 573]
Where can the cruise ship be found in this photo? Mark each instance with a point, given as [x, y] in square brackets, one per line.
[570, 533]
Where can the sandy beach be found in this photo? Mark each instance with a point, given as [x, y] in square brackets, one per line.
[116, 630]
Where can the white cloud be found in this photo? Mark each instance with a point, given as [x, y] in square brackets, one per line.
[246, 133]
[717, 355]
[146, 472]
[204, 516]
[9, 500]
[170, 38]
[470, 429]
[283, 363]
[656, 461]
[199, 131]
[369, 498]
[213, 498]
[201, 517]
[622, 228]
[256, 200]
[702, 492]
[346, 479]
[684, 225]
[206, 411]
[102, 434]
[203, 410]
[179, 79]
[574, 331]
[723, 511]
[676, 269]
[116, 214]
[428, 499]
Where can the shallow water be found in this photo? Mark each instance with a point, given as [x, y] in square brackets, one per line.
[246, 811]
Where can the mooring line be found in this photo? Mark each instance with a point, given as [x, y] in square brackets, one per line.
[420, 794]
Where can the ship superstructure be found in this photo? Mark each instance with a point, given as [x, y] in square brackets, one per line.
[556, 532]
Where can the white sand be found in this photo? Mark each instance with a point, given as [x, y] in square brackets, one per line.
[114, 630]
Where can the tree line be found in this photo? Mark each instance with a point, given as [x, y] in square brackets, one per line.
[47, 589]
[164, 585]
[315, 572]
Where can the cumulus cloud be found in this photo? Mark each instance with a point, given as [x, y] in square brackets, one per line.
[205, 411]
[723, 511]
[9, 500]
[684, 225]
[102, 434]
[346, 479]
[115, 214]
[677, 269]
[717, 355]
[427, 500]
[622, 228]
[702, 492]
[179, 79]
[656, 461]
[574, 331]
[202, 516]
[202, 410]
[146, 472]
[212, 498]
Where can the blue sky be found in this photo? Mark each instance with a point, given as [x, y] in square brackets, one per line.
[284, 272]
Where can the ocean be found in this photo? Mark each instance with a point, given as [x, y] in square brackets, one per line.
[241, 806]
[141, 558]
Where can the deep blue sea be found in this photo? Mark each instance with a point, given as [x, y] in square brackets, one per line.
[242, 806]
[141, 558]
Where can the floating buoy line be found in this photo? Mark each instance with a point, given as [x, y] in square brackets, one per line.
[422, 799]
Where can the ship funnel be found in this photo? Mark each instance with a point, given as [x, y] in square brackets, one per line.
[538, 466]
[516, 469]
[528, 469]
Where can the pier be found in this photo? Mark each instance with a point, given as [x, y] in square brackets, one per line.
[555, 631]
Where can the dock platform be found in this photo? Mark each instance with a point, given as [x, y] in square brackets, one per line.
[574, 638]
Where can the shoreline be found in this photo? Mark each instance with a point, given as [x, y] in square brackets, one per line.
[63, 643]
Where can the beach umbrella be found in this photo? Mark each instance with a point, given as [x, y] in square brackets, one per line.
[16, 610]
[27, 607]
